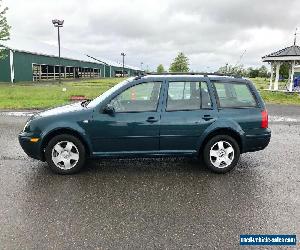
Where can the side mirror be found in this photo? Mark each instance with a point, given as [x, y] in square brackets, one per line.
[109, 109]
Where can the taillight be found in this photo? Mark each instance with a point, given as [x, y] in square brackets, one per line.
[265, 119]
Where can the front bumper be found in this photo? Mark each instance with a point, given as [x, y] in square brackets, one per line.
[32, 149]
[257, 142]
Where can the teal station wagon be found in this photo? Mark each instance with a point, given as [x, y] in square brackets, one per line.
[216, 117]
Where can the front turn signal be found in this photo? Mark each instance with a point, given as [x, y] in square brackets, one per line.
[34, 139]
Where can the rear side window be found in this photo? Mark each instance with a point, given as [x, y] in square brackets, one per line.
[234, 95]
[188, 96]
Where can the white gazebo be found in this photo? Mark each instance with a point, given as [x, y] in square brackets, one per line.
[289, 55]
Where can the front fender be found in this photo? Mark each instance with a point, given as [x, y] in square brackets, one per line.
[221, 124]
[64, 126]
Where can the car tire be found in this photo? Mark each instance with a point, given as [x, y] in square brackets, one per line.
[221, 154]
[65, 154]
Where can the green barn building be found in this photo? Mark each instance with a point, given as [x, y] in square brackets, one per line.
[28, 61]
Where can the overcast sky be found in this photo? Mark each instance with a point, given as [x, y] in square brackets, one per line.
[211, 33]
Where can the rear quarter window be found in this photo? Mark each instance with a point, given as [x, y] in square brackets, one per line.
[234, 95]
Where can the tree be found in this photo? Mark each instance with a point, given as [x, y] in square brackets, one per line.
[223, 69]
[284, 70]
[233, 70]
[263, 71]
[4, 27]
[253, 72]
[180, 63]
[160, 69]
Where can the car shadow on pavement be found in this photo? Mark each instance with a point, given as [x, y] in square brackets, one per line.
[164, 165]
[145, 165]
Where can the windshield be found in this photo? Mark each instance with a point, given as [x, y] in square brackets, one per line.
[102, 97]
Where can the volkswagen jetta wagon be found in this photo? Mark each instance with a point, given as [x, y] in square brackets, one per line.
[216, 117]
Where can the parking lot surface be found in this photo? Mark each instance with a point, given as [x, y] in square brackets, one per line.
[150, 203]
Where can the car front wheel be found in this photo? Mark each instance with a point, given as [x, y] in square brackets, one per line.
[221, 154]
[65, 154]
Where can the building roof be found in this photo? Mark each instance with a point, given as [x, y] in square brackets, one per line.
[112, 63]
[45, 49]
[40, 48]
[290, 53]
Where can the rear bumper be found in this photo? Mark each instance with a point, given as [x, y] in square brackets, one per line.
[257, 142]
[33, 150]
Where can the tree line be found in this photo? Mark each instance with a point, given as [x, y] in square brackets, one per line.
[254, 72]
[181, 64]
[246, 72]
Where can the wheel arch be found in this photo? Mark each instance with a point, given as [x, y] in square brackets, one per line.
[222, 131]
[60, 131]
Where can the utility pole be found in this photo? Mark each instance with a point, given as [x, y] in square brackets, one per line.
[58, 24]
[123, 55]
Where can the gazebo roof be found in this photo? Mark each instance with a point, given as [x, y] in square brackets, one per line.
[291, 53]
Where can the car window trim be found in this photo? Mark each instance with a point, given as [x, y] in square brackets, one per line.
[176, 110]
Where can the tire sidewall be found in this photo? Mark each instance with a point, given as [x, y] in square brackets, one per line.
[77, 143]
[210, 143]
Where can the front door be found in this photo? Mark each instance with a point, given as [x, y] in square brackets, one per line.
[188, 112]
[133, 126]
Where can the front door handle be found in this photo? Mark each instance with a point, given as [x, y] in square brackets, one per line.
[152, 119]
[207, 117]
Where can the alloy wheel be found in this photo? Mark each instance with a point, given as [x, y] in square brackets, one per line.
[221, 154]
[65, 155]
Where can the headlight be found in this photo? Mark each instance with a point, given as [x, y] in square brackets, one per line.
[27, 127]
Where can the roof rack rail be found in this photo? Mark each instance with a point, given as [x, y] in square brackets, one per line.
[139, 76]
[193, 73]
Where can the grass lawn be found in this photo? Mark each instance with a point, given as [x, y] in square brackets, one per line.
[45, 95]
[275, 97]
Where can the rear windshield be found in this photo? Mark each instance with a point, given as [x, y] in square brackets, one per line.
[234, 95]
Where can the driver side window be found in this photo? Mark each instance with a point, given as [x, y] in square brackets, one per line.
[142, 97]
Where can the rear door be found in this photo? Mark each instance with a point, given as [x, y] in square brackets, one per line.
[187, 112]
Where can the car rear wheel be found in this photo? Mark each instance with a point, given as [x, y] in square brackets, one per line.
[221, 154]
[65, 154]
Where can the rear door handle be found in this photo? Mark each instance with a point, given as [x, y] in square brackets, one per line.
[207, 117]
[152, 119]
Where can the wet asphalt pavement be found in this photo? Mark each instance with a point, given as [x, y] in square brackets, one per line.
[150, 203]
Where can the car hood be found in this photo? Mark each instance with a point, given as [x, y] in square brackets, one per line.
[61, 110]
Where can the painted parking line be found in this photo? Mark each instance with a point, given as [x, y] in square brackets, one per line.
[283, 119]
[17, 113]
